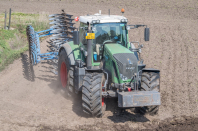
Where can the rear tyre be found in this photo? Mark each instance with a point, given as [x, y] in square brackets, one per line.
[150, 82]
[92, 102]
[65, 73]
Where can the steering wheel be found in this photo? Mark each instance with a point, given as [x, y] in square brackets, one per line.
[107, 41]
[119, 42]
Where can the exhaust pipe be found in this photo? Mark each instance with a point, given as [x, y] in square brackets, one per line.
[89, 50]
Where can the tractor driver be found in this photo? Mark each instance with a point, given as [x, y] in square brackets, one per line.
[101, 35]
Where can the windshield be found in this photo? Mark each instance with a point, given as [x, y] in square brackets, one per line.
[104, 33]
[107, 33]
[110, 32]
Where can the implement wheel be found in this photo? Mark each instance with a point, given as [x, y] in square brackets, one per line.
[65, 73]
[92, 101]
[150, 82]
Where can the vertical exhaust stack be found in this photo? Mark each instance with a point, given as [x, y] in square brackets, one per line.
[89, 49]
[100, 12]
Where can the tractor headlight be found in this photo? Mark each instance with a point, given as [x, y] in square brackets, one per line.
[124, 20]
[124, 78]
[95, 21]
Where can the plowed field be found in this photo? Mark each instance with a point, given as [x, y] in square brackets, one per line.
[173, 48]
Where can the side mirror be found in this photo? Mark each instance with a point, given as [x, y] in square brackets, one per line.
[128, 27]
[146, 34]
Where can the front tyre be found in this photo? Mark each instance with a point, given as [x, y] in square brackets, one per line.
[92, 102]
[150, 82]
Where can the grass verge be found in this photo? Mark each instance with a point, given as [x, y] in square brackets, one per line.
[13, 42]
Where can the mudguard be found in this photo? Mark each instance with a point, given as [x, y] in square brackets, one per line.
[69, 53]
[150, 70]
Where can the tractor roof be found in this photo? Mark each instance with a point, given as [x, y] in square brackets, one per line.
[102, 18]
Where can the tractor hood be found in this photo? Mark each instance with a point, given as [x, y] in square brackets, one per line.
[117, 48]
[126, 61]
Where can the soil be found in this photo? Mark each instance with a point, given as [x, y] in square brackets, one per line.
[42, 105]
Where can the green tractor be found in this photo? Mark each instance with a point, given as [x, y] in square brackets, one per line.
[101, 63]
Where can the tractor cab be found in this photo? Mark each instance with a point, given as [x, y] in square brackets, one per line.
[106, 28]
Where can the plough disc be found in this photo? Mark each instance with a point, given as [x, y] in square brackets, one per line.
[34, 47]
[61, 31]
[30, 32]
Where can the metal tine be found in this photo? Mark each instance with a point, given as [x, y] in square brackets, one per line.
[55, 67]
[53, 44]
[69, 23]
[56, 46]
[55, 72]
[57, 21]
[58, 42]
[68, 15]
[50, 46]
[57, 31]
[62, 22]
[63, 33]
[60, 34]
[57, 17]
[54, 61]
[69, 19]
[55, 26]
[58, 28]
[52, 49]
[71, 27]
[54, 22]
[59, 37]
[70, 32]
[56, 35]
[53, 15]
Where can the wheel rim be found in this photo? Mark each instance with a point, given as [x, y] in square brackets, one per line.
[103, 101]
[63, 74]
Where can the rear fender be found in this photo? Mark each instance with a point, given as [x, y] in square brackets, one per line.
[150, 70]
[69, 52]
